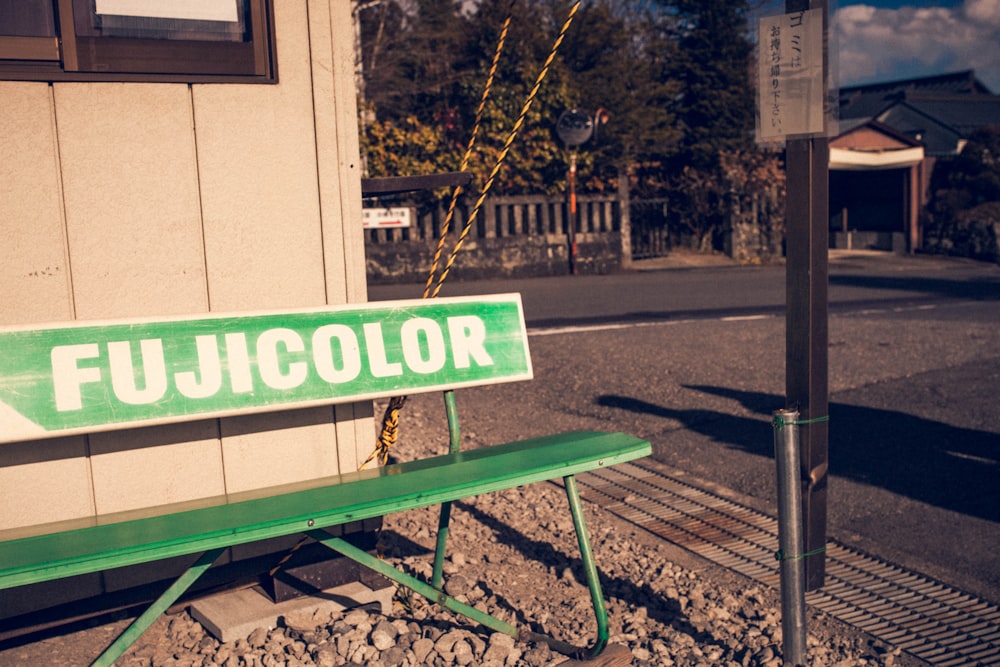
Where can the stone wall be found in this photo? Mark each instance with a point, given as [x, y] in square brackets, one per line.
[510, 257]
[514, 237]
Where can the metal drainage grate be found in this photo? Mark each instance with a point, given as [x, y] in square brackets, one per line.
[931, 621]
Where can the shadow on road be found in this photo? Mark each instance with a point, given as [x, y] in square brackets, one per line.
[980, 288]
[946, 466]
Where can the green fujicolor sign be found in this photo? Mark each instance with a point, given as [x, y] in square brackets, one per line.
[87, 377]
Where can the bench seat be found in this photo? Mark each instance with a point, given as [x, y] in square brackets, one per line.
[70, 549]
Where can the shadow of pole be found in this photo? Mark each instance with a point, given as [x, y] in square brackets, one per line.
[946, 466]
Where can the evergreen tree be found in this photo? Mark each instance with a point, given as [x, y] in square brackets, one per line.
[381, 47]
[535, 164]
[671, 75]
[618, 59]
[415, 55]
[716, 102]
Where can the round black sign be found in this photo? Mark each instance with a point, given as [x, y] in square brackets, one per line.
[574, 127]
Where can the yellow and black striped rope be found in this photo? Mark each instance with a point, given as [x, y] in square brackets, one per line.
[390, 419]
[487, 89]
[511, 137]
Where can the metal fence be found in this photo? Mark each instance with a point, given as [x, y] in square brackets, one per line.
[502, 217]
[753, 226]
[650, 229]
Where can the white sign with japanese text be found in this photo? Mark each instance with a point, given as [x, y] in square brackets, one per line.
[791, 87]
[385, 217]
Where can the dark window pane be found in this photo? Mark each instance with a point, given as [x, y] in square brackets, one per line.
[27, 18]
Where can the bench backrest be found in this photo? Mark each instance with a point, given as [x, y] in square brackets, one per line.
[99, 376]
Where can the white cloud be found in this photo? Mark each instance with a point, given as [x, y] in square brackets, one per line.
[986, 11]
[885, 44]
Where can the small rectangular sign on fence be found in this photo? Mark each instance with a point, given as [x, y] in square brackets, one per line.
[385, 217]
[84, 377]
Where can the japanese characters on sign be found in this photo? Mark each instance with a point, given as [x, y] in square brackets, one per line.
[385, 217]
[791, 87]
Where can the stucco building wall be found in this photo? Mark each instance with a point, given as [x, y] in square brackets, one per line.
[151, 199]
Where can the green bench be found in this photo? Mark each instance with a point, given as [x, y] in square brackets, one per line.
[71, 379]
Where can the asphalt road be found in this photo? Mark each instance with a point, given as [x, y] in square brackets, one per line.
[693, 360]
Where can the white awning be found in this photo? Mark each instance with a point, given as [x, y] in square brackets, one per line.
[858, 160]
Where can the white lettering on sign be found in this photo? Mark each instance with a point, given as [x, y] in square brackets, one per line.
[270, 364]
[413, 332]
[66, 358]
[347, 345]
[209, 368]
[283, 360]
[380, 366]
[123, 372]
[468, 335]
[238, 355]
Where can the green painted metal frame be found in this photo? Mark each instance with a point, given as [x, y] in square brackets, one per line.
[85, 546]
[80, 549]
[435, 592]
[153, 612]
[65, 550]
[454, 445]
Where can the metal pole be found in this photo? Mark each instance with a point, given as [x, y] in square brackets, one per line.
[155, 610]
[572, 213]
[790, 538]
[806, 336]
[589, 568]
[444, 520]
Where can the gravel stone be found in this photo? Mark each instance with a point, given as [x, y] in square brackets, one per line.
[257, 638]
[456, 585]
[384, 635]
[513, 554]
[421, 649]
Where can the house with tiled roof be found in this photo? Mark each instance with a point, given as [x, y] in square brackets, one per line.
[891, 135]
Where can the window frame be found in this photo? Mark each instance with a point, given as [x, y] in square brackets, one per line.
[73, 57]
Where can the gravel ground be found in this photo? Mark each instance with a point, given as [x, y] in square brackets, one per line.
[514, 554]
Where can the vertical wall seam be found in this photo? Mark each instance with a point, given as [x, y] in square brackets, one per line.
[57, 157]
[316, 152]
[201, 199]
[204, 259]
[344, 90]
[337, 424]
[68, 259]
[347, 264]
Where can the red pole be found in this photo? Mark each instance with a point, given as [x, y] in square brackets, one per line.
[572, 213]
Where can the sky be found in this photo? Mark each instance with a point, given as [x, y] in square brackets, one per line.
[887, 40]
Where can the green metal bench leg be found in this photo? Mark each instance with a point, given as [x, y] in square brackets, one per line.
[454, 444]
[589, 569]
[153, 612]
[437, 577]
[414, 584]
[436, 595]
